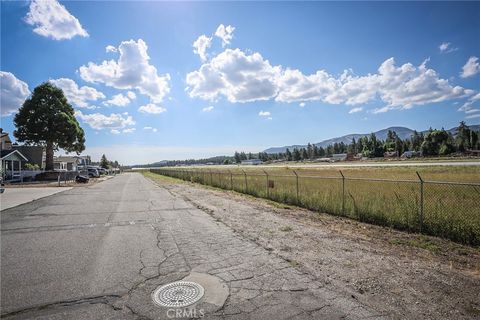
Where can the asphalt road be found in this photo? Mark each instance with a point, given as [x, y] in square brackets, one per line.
[99, 252]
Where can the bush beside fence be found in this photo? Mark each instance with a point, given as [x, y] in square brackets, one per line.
[445, 209]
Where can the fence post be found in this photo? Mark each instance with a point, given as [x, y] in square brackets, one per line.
[268, 191]
[246, 184]
[343, 192]
[421, 200]
[231, 179]
[58, 178]
[296, 178]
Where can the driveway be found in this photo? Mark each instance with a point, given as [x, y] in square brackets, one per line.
[13, 197]
[99, 252]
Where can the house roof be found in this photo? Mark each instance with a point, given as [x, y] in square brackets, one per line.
[8, 153]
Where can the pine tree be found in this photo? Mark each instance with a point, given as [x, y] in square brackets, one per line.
[104, 162]
[288, 155]
[47, 119]
[462, 139]
[296, 155]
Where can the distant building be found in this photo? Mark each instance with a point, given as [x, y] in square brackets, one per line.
[33, 154]
[11, 160]
[390, 154]
[252, 162]
[67, 163]
[339, 157]
[353, 157]
[472, 152]
[84, 160]
[5, 142]
[411, 154]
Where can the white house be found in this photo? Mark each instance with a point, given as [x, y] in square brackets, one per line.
[252, 162]
[67, 163]
[12, 165]
[11, 159]
[339, 157]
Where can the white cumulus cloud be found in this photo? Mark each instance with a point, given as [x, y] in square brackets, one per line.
[471, 68]
[446, 47]
[208, 109]
[78, 96]
[473, 116]
[132, 70]
[264, 113]
[150, 129]
[129, 130]
[355, 110]
[225, 33]
[110, 48]
[118, 100]
[100, 121]
[235, 75]
[115, 131]
[469, 106]
[201, 45]
[131, 95]
[241, 77]
[52, 20]
[13, 93]
[151, 108]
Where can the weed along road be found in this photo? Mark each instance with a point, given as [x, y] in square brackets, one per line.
[105, 251]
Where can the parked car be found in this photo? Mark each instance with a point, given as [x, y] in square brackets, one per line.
[102, 171]
[93, 173]
[81, 179]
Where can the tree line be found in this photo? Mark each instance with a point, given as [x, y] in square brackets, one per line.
[431, 143]
[107, 164]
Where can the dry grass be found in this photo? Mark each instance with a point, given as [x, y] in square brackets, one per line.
[385, 196]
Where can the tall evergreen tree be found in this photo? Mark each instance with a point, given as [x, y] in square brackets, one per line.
[296, 154]
[416, 141]
[288, 155]
[47, 119]
[462, 139]
[104, 162]
[304, 154]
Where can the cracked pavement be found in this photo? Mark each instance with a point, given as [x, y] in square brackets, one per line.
[98, 252]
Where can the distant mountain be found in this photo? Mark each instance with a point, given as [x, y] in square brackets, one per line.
[402, 132]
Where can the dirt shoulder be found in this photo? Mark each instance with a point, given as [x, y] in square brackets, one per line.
[402, 275]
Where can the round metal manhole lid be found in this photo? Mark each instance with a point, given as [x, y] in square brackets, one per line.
[178, 294]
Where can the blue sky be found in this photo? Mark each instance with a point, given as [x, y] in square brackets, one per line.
[274, 74]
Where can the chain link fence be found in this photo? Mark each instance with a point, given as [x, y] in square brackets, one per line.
[445, 209]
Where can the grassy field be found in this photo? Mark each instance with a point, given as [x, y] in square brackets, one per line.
[389, 196]
[433, 173]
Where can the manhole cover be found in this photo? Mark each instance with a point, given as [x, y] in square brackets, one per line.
[178, 294]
